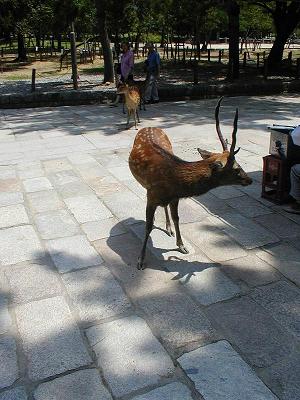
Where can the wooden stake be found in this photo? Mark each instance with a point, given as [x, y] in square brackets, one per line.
[33, 80]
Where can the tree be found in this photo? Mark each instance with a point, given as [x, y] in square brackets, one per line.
[103, 7]
[233, 11]
[286, 17]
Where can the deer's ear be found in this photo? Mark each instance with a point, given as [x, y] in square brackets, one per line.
[216, 166]
[204, 153]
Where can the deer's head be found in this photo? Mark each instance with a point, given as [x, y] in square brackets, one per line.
[224, 165]
[122, 88]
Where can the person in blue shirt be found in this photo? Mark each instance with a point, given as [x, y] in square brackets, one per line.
[153, 69]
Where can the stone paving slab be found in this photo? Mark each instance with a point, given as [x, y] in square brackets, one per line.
[95, 293]
[72, 253]
[259, 338]
[105, 228]
[246, 232]
[60, 178]
[56, 224]
[73, 189]
[32, 281]
[87, 208]
[85, 384]
[212, 241]
[126, 206]
[178, 320]
[19, 244]
[91, 170]
[226, 192]
[251, 269]
[285, 258]
[138, 360]
[204, 281]
[279, 225]
[14, 394]
[36, 184]
[249, 207]
[5, 318]
[220, 373]
[161, 245]
[53, 166]
[9, 198]
[284, 377]
[282, 301]
[8, 361]
[43, 201]
[10, 185]
[13, 215]
[51, 341]
[172, 391]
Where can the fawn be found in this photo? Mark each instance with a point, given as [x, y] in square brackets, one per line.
[141, 86]
[168, 178]
[132, 101]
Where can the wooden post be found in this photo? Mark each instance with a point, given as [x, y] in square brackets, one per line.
[298, 69]
[33, 80]
[195, 71]
[290, 55]
[266, 68]
[245, 59]
[220, 56]
[257, 60]
[208, 55]
[74, 59]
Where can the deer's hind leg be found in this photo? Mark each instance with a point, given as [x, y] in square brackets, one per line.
[168, 223]
[175, 218]
[150, 211]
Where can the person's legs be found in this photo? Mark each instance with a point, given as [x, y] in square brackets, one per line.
[155, 97]
[295, 190]
[148, 91]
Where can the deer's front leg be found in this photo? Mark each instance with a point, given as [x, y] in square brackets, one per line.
[168, 223]
[128, 118]
[150, 211]
[175, 217]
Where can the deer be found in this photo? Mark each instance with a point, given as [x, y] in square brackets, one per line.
[141, 86]
[167, 178]
[132, 101]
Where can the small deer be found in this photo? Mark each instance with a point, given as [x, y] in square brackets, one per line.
[141, 86]
[168, 178]
[132, 101]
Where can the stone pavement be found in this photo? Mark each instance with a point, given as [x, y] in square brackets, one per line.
[78, 321]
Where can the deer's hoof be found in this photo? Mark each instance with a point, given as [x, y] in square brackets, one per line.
[169, 232]
[140, 264]
[183, 249]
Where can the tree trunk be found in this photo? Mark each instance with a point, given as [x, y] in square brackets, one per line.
[59, 42]
[233, 10]
[105, 42]
[22, 56]
[38, 40]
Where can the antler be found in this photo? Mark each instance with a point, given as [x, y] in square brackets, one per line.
[222, 140]
[233, 143]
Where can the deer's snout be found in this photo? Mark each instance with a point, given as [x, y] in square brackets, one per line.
[246, 181]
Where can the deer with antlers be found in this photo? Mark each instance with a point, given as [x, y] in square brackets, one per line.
[168, 178]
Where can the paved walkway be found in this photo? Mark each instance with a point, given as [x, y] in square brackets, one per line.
[78, 321]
